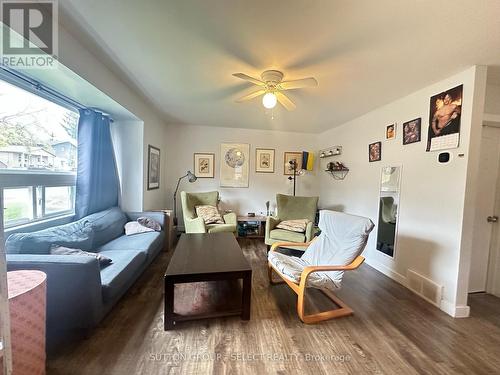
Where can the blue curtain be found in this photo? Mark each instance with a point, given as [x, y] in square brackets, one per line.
[97, 185]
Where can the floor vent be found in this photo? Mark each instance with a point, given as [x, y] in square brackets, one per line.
[424, 287]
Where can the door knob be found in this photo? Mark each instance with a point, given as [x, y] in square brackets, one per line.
[492, 219]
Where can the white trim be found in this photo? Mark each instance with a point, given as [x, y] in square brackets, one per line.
[387, 271]
[490, 117]
[445, 306]
[41, 224]
[460, 311]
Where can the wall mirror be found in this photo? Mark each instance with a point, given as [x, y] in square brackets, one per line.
[388, 210]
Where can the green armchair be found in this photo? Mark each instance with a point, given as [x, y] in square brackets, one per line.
[291, 208]
[194, 224]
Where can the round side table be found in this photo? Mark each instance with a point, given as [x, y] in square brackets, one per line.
[27, 301]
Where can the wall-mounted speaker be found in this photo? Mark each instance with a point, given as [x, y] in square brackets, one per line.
[444, 157]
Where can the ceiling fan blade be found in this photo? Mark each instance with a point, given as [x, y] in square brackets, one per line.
[299, 83]
[251, 95]
[246, 77]
[283, 99]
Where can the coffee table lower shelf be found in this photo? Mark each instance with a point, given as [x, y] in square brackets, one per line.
[171, 318]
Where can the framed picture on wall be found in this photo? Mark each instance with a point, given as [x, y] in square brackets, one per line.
[375, 151]
[153, 167]
[390, 132]
[289, 156]
[412, 131]
[264, 160]
[234, 164]
[444, 120]
[204, 165]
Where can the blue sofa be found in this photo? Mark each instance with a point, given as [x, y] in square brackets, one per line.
[79, 292]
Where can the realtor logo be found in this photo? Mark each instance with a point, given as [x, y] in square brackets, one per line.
[29, 33]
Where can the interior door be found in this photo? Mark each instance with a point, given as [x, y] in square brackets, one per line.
[485, 207]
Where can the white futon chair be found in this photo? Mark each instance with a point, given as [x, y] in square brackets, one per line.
[337, 249]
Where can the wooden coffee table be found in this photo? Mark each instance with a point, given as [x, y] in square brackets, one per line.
[207, 257]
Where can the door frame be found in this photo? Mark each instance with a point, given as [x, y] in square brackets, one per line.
[493, 274]
[493, 270]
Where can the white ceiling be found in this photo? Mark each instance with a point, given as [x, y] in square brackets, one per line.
[69, 83]
[364, 53]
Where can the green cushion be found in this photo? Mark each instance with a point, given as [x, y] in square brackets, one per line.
[217, 228]
[286, 235]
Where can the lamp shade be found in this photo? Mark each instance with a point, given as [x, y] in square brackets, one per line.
[269, 100]
[191, 176]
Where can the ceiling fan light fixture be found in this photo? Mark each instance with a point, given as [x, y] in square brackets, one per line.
[269, 100]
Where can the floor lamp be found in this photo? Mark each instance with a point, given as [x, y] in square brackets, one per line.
[293, 165]
[191, 178]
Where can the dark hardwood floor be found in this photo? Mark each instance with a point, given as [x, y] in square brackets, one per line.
[392, 331]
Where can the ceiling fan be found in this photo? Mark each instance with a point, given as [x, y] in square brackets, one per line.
[272, 86]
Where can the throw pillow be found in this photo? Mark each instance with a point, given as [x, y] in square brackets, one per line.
[298, 225]
[149, 223]
[133, 227]
[62, 250]
[209, 214]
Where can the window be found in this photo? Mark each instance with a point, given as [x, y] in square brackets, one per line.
[38, 157]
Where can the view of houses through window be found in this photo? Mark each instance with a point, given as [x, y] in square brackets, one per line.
[38, 156]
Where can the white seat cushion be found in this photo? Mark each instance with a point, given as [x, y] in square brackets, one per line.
[291, 268]
[294, 225]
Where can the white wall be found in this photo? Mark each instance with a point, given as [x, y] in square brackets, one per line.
[186, 140]
[435, 199]
[76, 56]
[128, 142]
[492, 103]
[433, 196]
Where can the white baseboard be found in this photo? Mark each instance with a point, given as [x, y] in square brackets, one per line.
[459, 311]
[387, 271]
[462, 311]
[449, 308]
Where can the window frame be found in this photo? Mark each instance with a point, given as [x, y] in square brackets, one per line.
[12, 179]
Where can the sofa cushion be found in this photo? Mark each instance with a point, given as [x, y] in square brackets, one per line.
[78, 234]
[107, 225]
[63, 250]
[149, 222]
[133, 227]
[285, 235]
[147, 243]
[217, 228]
[125, 267]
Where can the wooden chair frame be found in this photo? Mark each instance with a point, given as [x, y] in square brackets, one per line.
[300, 289]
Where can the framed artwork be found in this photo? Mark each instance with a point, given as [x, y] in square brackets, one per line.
[412, 131]
[234, 164]
[264, 160]
[289, 156]
[153, 168]
[204, 165]
[444, 119]
[390, 132]
[375, 151]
